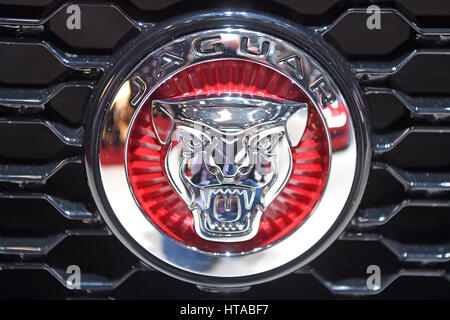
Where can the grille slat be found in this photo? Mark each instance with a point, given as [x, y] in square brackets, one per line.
[67, 135]
[34, 62]
[40, 246]
[358, 286]
[372, 72]
[377, 216]
[436, 107]
[417, 181]
[88, 64]
[25, 173]
[34, 100]
[405, 252]
[69, 209]
[387, 142]
[89, 281]
[417, 29]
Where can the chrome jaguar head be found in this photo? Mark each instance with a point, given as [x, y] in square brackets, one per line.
[228, 157]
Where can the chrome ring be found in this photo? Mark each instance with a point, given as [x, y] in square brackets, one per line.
[209, 45]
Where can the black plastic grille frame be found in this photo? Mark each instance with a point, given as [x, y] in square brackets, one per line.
[49, 221]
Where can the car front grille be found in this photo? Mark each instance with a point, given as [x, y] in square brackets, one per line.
[49, 221]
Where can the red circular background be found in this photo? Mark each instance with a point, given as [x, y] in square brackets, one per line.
[159, 200]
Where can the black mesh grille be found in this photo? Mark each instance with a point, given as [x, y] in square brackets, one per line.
[49, 221]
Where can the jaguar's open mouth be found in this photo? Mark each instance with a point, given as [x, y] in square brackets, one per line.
[228, 211]
[227, 227]
[225, 199]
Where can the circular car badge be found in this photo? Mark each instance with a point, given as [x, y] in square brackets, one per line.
[227, 155]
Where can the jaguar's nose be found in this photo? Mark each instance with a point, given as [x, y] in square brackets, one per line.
[229, 169]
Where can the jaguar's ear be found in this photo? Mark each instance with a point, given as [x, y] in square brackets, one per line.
[296, 123]
[163, 120]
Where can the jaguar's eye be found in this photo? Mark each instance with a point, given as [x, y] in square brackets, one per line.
[192, 144]
[265, 143]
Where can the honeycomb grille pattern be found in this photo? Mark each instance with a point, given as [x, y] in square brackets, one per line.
[49, 221]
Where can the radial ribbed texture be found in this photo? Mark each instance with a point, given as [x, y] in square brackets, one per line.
[168, 211]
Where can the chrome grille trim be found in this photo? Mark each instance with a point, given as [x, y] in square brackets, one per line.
[436, 107]
[372, 73]
[415, 27]
[87, 65]
[69, 136]
[25, 173]
[43, 245]
[405, 252]
[90, 281]
[377, 216]
[417, 181]
[387, 142]
[358, 286]
[30, 99]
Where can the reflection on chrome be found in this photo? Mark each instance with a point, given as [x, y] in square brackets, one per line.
[122, 113]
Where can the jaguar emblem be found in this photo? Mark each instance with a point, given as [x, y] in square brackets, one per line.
[228, 157]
